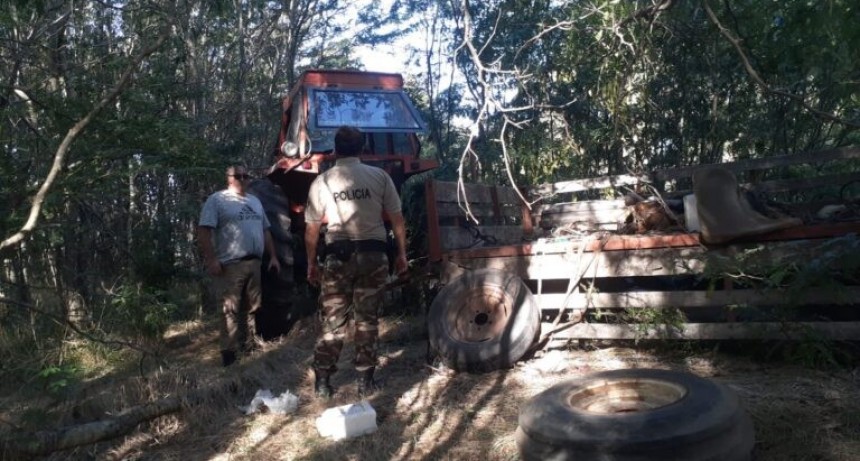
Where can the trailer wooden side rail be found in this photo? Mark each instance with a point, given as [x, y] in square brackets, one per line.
[661, 285]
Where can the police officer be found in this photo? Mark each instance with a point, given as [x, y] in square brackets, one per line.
[351, 196]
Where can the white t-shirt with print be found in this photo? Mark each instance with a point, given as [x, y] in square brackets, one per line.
[238, 223]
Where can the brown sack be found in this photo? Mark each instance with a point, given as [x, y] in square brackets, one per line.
[724, 213]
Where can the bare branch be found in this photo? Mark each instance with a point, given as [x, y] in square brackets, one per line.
[492, 82]
[563, 25]
[508, 162]
[485, 73]
[649, 12]
[71, 135]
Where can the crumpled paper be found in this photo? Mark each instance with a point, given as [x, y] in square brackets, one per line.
[265, 402]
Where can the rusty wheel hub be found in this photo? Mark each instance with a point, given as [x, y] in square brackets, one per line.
[482, 316]
[625, 396]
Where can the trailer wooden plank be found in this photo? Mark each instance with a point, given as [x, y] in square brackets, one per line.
[446, 191]
[818, 157]
[581, 185]
[455, 237]
[561, 262]
[698, 299]
[434, 242]
[452, 210]
[649, 241]
[508, 195]
[585, 215]
[817, 231]
[564, 245]
[800, 184]
[840, 331]
[777, 186]
[673, 261]
[585, 205]
[587, 220]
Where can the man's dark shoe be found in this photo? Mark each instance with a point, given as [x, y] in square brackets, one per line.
[366, 384]
[322, 386]
[228, 358]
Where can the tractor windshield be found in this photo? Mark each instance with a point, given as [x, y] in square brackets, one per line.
[370, 110]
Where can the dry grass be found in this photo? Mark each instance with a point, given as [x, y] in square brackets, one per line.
[429, 413]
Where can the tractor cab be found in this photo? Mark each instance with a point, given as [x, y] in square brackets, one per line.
[324, 100]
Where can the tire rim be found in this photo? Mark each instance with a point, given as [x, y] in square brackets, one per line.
[482, 316]
[620, 396]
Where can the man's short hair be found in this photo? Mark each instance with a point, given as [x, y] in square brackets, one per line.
[232, 169]
[348, 141]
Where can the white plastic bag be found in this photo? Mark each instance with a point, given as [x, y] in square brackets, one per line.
[264, 401]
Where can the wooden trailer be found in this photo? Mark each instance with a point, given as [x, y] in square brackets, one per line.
[592, 272]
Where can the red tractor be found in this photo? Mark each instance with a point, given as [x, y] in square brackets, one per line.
[321, 102]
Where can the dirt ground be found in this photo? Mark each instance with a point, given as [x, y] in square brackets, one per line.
[425, 412]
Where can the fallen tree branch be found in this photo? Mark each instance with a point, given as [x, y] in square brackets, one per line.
[71, 135]
[45, 442]
[24, 445]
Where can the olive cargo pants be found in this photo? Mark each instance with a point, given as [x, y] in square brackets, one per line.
[350, 288]
[238, 291]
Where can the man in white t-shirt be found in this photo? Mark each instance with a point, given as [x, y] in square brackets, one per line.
[233, 234]
[351, 197]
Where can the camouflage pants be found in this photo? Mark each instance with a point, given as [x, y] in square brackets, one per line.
[238, 290]
[352, 288]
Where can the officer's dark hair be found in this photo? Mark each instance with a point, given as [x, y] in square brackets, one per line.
[348, 141]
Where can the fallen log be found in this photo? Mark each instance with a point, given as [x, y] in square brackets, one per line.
[45, 442]
[28, 445]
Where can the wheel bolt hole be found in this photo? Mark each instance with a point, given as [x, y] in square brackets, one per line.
[482, 319]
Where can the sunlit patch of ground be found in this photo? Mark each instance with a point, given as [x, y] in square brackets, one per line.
[426, 411]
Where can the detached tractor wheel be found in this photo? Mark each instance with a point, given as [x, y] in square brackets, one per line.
[482, 321]
[635, 415]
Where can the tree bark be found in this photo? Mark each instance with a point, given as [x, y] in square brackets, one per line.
[45, 442]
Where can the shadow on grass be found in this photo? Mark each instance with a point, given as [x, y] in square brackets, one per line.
[429, 413]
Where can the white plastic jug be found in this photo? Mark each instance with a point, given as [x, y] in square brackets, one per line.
[347, 421]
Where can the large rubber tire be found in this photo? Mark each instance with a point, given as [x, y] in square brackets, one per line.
[277, 207]
[635, 415]
[276, 316]
[484, 320]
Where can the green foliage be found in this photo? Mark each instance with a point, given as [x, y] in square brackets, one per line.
[814, 351]
[36, 417]
[57, 379]
[415, 211]
[832, 264]
[142, 311]
[618, 88]
[665, 321]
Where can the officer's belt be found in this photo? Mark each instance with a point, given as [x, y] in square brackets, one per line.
[343, 249]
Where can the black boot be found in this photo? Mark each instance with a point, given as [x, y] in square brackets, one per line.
[228, 358]
[366, 384]
[322, 386]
